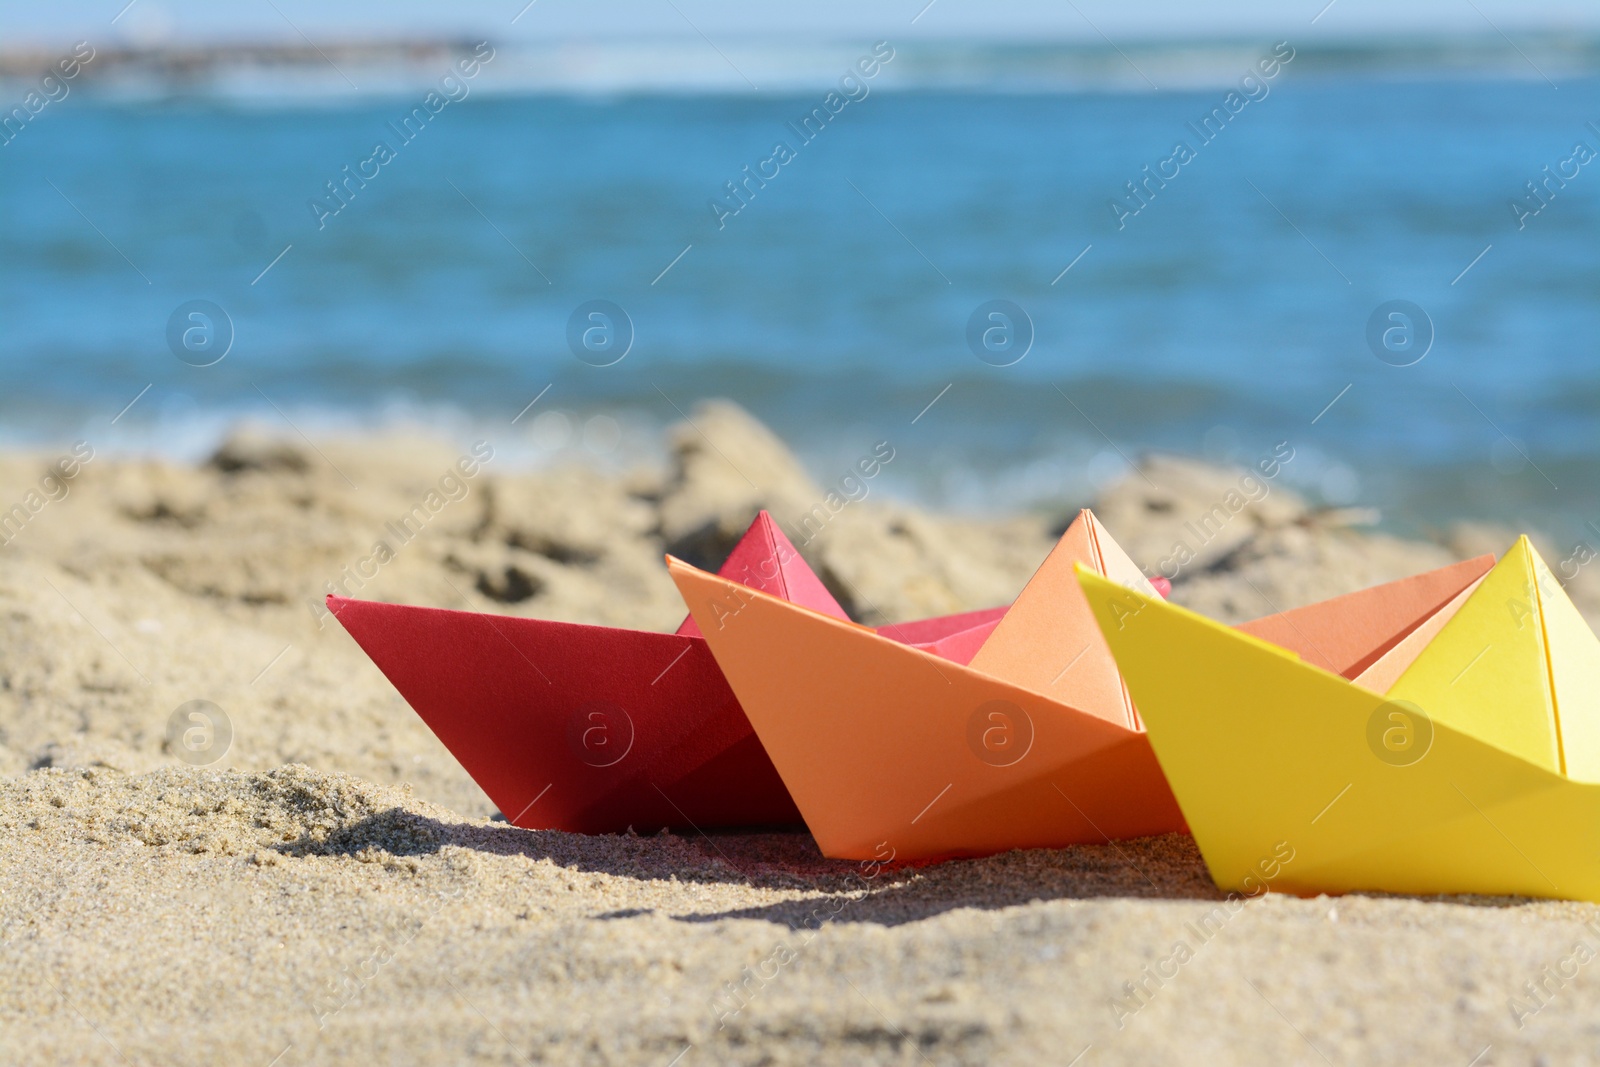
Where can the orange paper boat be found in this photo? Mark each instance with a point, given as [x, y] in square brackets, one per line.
[893, 750]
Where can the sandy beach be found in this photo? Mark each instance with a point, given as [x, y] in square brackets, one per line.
[333, 888]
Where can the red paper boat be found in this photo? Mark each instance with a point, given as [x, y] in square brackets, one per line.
[595, 729]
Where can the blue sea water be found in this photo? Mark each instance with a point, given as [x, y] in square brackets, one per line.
[1225, 316]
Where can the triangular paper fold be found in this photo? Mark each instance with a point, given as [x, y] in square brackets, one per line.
[1387, 668]
[765, 559]
[1048, 642]
[1573, 653]
[1486, 672]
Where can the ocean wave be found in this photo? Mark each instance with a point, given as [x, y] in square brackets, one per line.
[331, 75]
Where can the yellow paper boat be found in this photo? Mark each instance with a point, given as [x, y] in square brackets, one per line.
[1476, 769]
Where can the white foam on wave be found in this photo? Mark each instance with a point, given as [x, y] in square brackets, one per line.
[612, 68]
[180, 430]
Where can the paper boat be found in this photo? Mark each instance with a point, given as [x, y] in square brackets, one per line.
[595, 729]
[890, 749]
[1475, 768]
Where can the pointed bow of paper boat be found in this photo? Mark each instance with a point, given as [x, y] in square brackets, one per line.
[892, 750]
[1464, 759]
[596, 729]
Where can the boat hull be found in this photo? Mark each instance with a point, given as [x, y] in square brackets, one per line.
[890, 750]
